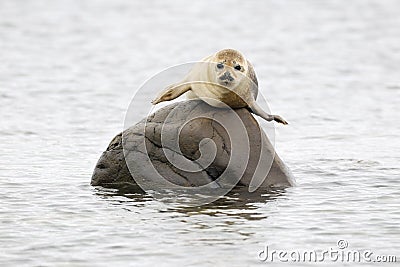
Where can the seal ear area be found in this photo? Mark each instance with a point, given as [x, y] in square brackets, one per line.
[251, 74]
[171, 92]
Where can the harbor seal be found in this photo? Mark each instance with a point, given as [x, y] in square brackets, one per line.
[225, 78]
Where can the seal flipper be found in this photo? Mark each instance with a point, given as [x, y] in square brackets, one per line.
[256, 109]
[171, 92]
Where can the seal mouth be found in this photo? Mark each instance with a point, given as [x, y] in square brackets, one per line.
[225, 83]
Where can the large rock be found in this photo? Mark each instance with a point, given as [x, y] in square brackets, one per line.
[173, 133]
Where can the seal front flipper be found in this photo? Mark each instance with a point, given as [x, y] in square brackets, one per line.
[171, 92]
[256, 109]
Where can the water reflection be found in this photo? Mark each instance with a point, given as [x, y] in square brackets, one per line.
[124, 194]
[238, 203]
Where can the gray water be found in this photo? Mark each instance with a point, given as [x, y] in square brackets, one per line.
[68, 70]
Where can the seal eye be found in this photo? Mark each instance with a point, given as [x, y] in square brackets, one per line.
[220, 65]
[238, 67]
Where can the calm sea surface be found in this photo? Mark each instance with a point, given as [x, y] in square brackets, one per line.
[68, 70]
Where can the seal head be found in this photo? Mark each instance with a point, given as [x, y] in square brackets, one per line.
[230, 68]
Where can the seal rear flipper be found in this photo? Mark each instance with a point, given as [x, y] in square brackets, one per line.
[256, 109]
[171, 92]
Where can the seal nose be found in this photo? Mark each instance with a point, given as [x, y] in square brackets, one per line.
[226, 76]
